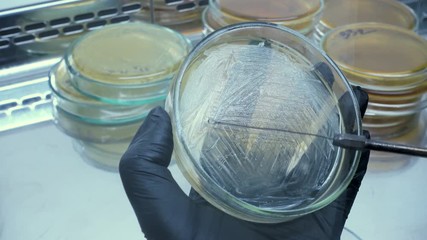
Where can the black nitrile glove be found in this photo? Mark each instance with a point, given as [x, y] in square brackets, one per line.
[165, 212]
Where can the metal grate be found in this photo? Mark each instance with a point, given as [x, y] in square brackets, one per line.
[65, 26]
[25, 104]
[49, 29]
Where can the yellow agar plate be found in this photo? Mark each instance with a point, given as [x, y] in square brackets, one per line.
[129, 54]
[269, 10]
[342, 12]
[375, 53]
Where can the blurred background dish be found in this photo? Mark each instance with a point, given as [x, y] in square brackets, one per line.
[337, 13]
[301, 16]
[130, 63]
[388, 62]
[109, 80]
[183, 16]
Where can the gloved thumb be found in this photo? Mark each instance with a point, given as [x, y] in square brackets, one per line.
[150, 187]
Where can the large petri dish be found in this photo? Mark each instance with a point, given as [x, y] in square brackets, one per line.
[129, 63]
[390, 63]
[297, 15]
[338, 13]
[253, 108]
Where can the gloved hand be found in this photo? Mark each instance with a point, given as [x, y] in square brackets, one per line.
[165, 212]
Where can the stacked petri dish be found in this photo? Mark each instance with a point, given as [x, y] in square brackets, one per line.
[171, 12]
[301, 16]
[108, 81]
[183, 16]
[343, 12]
[390, 63]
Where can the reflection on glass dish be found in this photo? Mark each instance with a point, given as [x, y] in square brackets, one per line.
[238, 107]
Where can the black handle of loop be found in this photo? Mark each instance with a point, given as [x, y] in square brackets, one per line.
[361, 142]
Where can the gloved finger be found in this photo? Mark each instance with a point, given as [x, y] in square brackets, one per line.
[335, 214]
[360, 171]
[347, 198]
[362, 98]
[197, 198]
[153, 193]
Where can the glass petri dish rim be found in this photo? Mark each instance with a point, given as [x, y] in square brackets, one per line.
[186, 43]
[400, 4]
[372, 75]
[168, 15]
[208, 28]
[217, 10]
[92, 104]
[172, 104]
[96, 133]
[99, 121]
[55, 89]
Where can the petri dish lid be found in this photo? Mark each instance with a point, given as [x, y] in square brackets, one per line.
[88, 109]
[269, 10]
[128, 54]
[249, 112]
[342, 12]
[378, 52]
